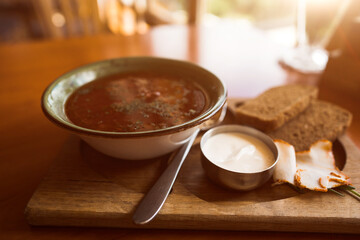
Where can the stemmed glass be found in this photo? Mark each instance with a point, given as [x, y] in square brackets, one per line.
[304, 57]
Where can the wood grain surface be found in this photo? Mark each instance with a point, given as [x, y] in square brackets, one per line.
[87, 188]
[30, 144]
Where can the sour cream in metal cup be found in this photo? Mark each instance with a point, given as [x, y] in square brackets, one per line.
[238, 157]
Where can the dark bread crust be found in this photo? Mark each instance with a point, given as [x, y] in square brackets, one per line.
[321, 120]
[276, 106]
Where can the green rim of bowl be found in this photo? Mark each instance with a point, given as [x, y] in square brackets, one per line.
[52, 116]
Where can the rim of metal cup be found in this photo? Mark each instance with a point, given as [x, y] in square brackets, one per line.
[246, 130]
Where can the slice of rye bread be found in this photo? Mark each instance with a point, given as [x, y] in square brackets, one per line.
[276, 106]
[321, 120]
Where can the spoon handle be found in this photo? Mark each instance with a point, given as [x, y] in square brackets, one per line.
[151, 204]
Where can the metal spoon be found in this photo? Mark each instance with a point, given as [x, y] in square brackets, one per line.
[151, 204]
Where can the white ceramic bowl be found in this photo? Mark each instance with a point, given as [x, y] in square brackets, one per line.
[133, 145]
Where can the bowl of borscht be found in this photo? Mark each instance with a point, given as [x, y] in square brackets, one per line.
[134, 107]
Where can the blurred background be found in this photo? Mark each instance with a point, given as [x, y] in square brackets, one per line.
[29, 20]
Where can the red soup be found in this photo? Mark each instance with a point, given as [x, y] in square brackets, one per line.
[135, 102]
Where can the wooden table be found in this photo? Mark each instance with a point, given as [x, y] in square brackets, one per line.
[246, 59]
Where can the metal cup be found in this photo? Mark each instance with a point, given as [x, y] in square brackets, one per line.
[233, 179]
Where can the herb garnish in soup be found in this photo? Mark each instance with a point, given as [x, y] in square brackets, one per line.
[135, 102]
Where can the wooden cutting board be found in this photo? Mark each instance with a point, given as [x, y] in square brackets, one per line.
[87, 188]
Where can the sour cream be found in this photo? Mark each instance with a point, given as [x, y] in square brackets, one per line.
[238, 152]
